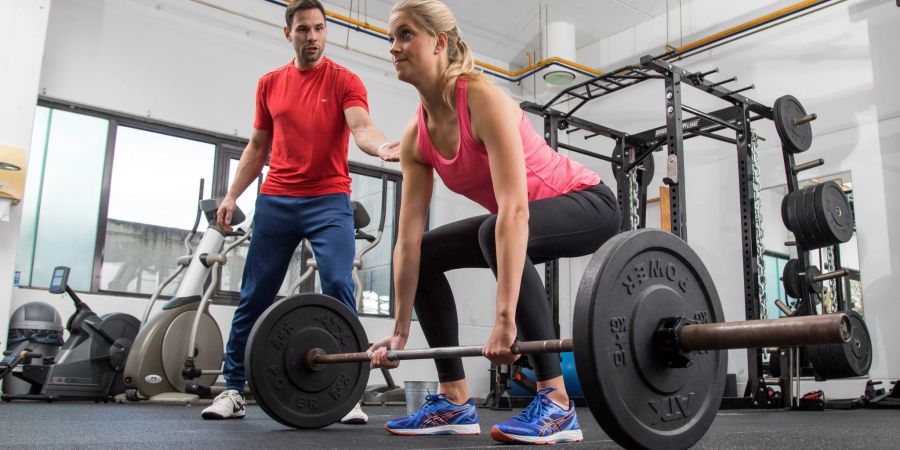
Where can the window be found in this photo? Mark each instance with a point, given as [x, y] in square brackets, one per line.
[774, 287]
[375, 272]
[114, 197]
[232, 273]
[59, 227]
[153, 195]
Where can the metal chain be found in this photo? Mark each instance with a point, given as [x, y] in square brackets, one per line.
[757, 222]
[634, 219]
[830, 287]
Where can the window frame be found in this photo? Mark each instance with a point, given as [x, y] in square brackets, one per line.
[226, 147]
[397, 178]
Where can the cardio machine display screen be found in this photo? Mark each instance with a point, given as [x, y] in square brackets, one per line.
[59, 279]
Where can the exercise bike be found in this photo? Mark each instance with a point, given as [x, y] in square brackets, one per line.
[184, 327]
[88, 366]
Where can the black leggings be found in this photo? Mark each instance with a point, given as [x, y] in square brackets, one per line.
[570, 225]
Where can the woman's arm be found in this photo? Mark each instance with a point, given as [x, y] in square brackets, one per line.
[497, 118]
[418, 181]
[417, 188]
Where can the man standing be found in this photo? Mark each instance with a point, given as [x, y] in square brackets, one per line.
[305, 111]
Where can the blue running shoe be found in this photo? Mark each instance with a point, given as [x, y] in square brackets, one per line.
[542, 422]
[438, 416]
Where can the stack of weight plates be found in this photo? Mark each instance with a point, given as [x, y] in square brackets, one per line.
[819, 216]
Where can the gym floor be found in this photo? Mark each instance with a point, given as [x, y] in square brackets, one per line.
[138, 426]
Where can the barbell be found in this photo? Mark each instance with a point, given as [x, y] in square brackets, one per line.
[647, 339]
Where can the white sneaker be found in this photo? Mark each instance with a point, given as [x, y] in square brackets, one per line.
[356, 416]
[227, 405]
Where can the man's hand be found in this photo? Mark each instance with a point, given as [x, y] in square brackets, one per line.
[389, 151]
[223, 214]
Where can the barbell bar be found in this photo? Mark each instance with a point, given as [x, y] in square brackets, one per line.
[786, 332]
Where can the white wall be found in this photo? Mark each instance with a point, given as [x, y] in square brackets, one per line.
[23, 22]
[841, 63]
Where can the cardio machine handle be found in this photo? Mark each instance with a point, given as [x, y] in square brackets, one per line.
[374, 242]
[187, 240]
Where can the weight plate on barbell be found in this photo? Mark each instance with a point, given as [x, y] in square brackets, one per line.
[834, 213]
[283, 384]
[633, 282]
[795, 138]
[851, 359]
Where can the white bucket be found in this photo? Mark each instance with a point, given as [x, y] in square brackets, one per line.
[416, 391]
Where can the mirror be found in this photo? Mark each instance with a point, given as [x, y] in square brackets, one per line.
[777, 254]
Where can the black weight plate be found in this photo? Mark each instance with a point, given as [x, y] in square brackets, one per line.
[787, 212]
[809, 218]
[790, 276]
[810, 278]
[816, 213]
[635, 280]
[284, 386]
[804, 236]
[793, 217]
[795, 138]
[851, 359]
[834, 213]
[801, 234]
[809, 236]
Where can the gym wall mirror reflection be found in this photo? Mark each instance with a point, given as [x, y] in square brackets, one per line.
[777, 253]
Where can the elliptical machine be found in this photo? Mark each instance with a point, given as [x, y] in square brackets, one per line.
[361, 220]
[184, 327]
[89, 364]
[385, 394]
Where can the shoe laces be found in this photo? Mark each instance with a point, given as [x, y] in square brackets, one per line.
[535, 409]
[234, 396]
[430, 399]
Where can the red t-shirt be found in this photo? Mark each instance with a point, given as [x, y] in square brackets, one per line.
[304, 110]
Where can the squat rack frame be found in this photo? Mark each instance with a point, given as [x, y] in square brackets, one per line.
[632, 149]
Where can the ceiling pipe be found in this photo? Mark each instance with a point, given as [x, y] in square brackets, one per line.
[781, 13]
[518, 75]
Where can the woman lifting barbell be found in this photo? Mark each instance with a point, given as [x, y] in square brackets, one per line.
[542, 206]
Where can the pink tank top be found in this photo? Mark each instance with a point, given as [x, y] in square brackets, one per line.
[548, 173]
